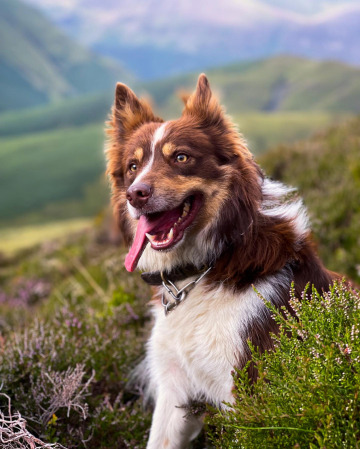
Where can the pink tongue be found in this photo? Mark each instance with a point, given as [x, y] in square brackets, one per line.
[139, 244]
[146, 224]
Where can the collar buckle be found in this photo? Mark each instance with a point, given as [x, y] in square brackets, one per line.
[175, 293]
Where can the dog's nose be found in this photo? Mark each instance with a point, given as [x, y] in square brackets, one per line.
[138, 194]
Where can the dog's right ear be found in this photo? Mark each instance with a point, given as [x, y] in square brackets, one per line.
[129, 111]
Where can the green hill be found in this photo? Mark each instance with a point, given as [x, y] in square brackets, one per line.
[281, 83]
[48, 167]
[326, 169]
[57, 148]
[57, 165]
[248, 90]
[72, 112]
[39, 64]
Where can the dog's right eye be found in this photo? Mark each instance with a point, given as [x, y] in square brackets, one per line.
[132, 167]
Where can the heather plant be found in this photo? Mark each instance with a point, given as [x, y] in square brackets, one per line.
[14, 433]
[307, 392]
[66, 358]
[73, 326]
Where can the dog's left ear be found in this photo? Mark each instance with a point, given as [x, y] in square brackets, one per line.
[203, 104]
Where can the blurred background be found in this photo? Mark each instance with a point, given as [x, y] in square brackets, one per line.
[287, 72]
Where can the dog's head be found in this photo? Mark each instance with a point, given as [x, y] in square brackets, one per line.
[182, 189]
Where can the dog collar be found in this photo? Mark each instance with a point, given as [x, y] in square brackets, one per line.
[179, 295]
[155, 278]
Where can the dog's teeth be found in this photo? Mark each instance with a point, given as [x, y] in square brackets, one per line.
[179, 219]
[171, 234]
[150, 237]
[186, 209]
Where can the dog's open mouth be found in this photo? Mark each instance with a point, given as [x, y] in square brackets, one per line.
[162, 229]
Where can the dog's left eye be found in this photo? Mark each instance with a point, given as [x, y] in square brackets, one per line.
[133, 167]
[181, 158]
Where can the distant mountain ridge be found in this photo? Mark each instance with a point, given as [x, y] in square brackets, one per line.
[39, 63]
[156, 39]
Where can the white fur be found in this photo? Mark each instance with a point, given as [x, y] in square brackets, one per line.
[158, 135]
[274, 205]
[274, 190]
[193, 350]
[192, 249]
[294, 212]
[132, 210]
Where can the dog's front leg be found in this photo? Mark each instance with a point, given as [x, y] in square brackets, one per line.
[170, 428]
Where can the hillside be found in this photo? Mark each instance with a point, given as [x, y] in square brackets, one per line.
[63, 141]
[39, 64]
[326, 169]
[67, 113]
[282, 83]
[50, 167]
[59, 166]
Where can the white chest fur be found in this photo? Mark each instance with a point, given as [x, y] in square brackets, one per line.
[195, 348]
[192, 352]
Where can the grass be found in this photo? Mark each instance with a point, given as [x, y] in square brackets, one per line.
[17, 238]
[306, 395]
[77, 323]
[74, 323]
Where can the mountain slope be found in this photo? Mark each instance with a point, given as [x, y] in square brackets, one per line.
[157, 39]
[281, 83]
[38, 63]
[45, 168]
[67, 113]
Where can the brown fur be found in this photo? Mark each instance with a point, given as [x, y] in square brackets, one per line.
[222, 168]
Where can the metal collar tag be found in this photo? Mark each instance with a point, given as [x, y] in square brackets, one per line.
[178, 295]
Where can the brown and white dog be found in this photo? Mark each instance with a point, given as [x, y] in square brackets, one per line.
[189, 195]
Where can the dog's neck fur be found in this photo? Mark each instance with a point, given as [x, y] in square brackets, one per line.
[276, 233]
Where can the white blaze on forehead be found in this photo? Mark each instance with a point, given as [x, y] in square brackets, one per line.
[158, 135]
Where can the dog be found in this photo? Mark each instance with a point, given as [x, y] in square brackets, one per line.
[210, 230]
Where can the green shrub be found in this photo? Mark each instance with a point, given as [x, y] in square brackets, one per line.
[326, 169]
[307, 393]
